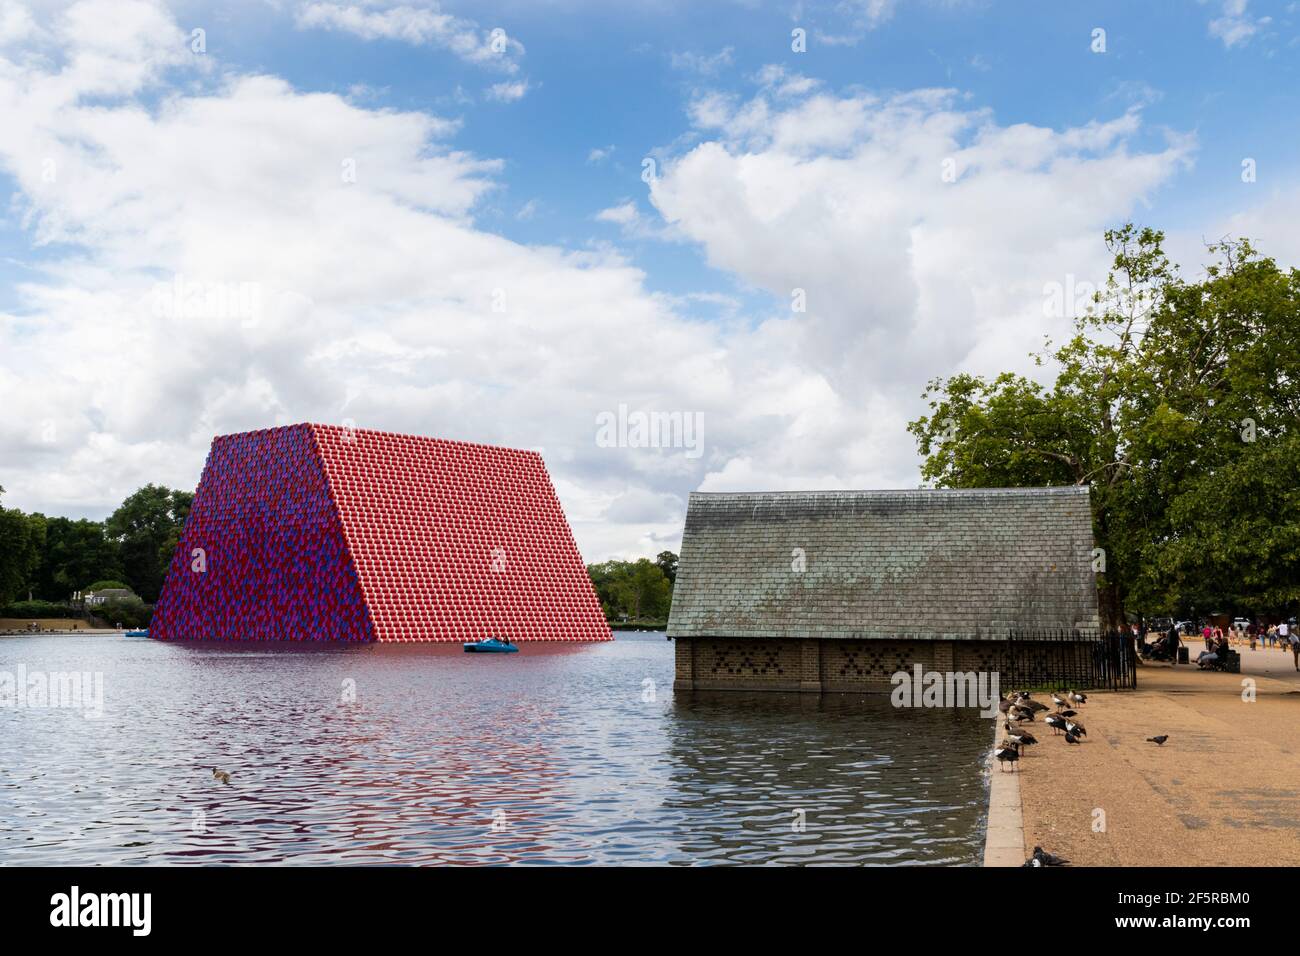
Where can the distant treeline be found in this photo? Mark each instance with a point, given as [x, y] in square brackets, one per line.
[51, 558]
[638, 590]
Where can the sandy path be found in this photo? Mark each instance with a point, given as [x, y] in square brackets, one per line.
[1224, 790]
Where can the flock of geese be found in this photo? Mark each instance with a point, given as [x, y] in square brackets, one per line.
[1021, 708]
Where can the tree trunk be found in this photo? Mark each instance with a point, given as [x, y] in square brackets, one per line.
[1110, 606]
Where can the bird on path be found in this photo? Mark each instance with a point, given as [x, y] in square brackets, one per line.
[1069, 713]
[1076, 698]
[1071, 738]
[221, 775]
[1056, 723]
[1022, 738]
[1042, 858]
[1076, 729]
[1158, 741]
[1059, 701]
[1003, 704]
[1007, 752]
[1027, 701]
[1022, 713]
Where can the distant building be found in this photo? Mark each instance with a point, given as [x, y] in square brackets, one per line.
[95, 598]
[839, 590]
[323, 533]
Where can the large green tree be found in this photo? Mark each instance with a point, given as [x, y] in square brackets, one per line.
[143, 527]
[1176, 403]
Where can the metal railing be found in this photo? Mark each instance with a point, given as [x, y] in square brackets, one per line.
[1078, 659]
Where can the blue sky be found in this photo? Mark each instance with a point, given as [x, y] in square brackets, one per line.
[482, 172]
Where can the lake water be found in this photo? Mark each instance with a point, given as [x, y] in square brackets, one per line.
[574, 754]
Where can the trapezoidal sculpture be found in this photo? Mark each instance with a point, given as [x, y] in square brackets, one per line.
[323, 533]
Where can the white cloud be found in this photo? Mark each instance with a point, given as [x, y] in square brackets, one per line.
[623, 214]
[599, 154]
[508, 92]
[842, 199]
[379, 298]
[1235, 26]
[702, 63]
[424, 25]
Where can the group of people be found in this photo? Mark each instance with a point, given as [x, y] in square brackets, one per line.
[1218, 641]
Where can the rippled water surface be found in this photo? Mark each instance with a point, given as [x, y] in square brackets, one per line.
[558, 754]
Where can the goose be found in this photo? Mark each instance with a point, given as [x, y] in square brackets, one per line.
[1069, 713]
[1007, 752]
[1071, 738]
[1058, 701]
[1022, 713]
[1056, 723]
[1021, 738]
[1076, 698]
[1003, 704]
[1076, 729]
[221, 775]
[1027, 701]
[1158, 741]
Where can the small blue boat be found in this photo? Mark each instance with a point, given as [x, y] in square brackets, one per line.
[490, 645]
[144, 633]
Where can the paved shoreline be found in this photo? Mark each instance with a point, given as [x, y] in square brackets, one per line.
[1223, 791]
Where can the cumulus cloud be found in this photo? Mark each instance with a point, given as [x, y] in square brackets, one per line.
[1235, 26]
[419, 26]
[918, 237]
[213, 251]
[508, 92]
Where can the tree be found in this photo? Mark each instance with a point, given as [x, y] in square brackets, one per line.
[637, 589]
[142, 527]
[1176, 404]
[667, 562]
[75, 554]
[21, 538]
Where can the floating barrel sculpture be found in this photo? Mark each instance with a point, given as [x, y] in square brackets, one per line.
[323, 533]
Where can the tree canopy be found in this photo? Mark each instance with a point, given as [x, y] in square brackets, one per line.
[1176, 402]
[638, 590]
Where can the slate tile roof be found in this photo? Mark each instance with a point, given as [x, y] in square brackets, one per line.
[932, 564]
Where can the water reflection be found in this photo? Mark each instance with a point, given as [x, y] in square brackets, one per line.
[559, 754]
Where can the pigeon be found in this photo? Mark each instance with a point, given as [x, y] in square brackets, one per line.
[1071, 738]
[1158, 741]
[221, 775]
[1076, 729]
[1006, 753]
[1076, 698]
[1056, 723]
[1042, 858]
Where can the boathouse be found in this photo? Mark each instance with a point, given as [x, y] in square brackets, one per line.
[323, 533]
[839, 590]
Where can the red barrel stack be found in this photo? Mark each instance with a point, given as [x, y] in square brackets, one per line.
[318, 532]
